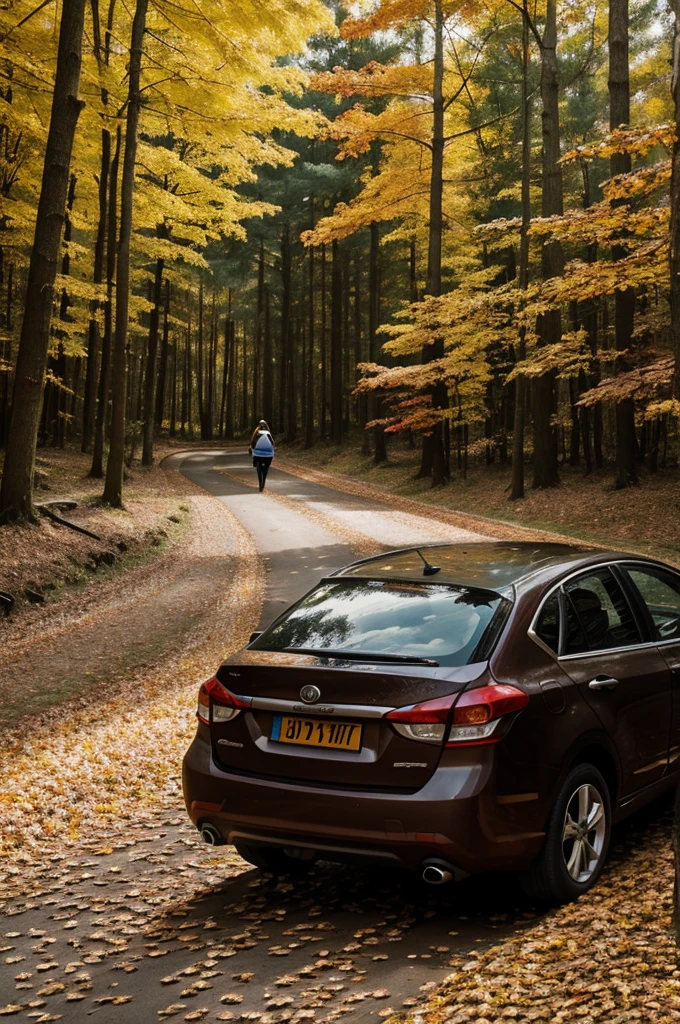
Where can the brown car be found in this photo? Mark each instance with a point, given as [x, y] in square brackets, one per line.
[451, 709]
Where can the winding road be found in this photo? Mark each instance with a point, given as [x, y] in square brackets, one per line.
[327, 529]
[161, 926]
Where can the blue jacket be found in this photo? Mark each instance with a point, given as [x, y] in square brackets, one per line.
[264, 445]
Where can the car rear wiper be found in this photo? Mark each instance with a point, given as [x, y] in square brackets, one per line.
[403, 659]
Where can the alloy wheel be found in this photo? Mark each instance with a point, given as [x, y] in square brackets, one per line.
[584, 832]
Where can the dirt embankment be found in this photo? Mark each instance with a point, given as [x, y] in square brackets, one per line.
[38, 562]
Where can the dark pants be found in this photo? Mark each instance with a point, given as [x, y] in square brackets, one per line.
[262, 466]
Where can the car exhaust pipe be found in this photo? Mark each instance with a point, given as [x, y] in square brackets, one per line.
[211, 835]
[437, 874]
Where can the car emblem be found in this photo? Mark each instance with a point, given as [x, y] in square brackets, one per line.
[310, 694]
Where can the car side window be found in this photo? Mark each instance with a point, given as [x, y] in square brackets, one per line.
[574, 638]
[660, 591]
[602, 612]
[548, 625]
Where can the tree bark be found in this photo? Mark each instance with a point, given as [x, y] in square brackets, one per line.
[675, 207]
[93, 339]
[517, 478]
[433, 461]
[163, 368]
[624, 299]
[552, 257]
[288, 418]
[380, 448]
[267, 368]
[336, 344]
[113, 485]
[199, 362]
[97, 468]
[309, 389]
[6, 350]
[358, 345]
[17, 477]
[151, 367]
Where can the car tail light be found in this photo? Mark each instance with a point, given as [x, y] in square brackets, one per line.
[426, 722]
[479, 712]
[225, 705]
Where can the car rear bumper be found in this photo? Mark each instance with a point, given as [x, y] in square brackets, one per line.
[454, 817]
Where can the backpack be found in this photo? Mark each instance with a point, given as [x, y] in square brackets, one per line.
[264, 446]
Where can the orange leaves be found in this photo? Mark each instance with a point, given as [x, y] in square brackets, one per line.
[389, 14]
[357, 127]
[637, 141]
[643, 382]
[376, 80]
[399, 190]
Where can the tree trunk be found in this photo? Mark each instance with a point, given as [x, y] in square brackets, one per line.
[199, 362]
[267, 356]
[97, 468]
[336, 344]
[309, 389]
[517, 478]
[173, 391]
[257, 337]
[93, 339]
[244, 373]
[550, 323]
[163, 369]
[324, 349]
[190, 382]
[113, 485]
[358, 346]
[289, 420]
[433, 461]
[6, 351]
[675, 207]
[374, 407]
[225, 369]
[151, 361]
[624, 299]
[17, 477]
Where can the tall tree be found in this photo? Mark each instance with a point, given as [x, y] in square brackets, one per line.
[552, 256]
[433, 461]
[624, 298]
[517, 481]
[113, 485]
[675, 205]
[17, 477]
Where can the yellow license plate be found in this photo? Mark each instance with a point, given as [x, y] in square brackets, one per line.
[309, 732]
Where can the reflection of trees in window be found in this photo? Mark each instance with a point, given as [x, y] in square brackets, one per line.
[385, 616]
[478, 598]
[309, 629]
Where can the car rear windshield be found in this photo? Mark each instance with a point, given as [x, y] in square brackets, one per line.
[453, 625]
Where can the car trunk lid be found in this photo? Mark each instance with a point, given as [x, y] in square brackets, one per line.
[337, 735]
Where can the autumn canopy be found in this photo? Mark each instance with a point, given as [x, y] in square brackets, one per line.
[451, 221]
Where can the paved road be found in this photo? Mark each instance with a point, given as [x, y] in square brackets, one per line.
[164, 923]
[301, 546]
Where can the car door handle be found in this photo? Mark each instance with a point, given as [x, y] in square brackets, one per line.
[603, 683]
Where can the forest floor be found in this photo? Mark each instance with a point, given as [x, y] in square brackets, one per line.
[644, 519]
[99, 618]
[45, 558]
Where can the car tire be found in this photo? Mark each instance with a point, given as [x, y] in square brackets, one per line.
[576, 842]
[273, 860]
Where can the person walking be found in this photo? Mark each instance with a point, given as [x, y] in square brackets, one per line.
[262, 450]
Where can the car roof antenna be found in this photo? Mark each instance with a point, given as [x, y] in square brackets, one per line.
[429, 570]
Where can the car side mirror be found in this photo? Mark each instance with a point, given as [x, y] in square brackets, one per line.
[254, 636]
